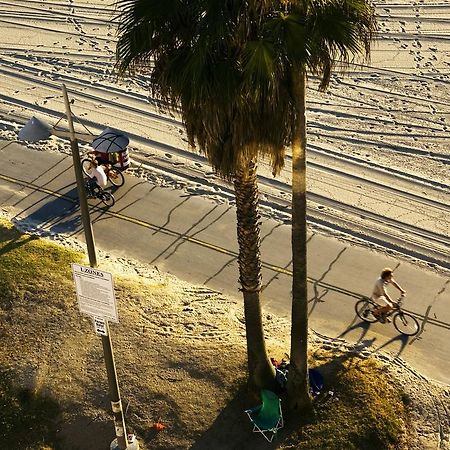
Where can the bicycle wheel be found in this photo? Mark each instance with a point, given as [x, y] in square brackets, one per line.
[363, 309]
[406, 324]
[86, 165]
[115, 176]
[107, 198]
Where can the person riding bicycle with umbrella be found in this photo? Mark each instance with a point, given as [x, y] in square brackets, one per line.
[380, 295]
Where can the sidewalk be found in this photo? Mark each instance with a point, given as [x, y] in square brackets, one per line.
[194, 239]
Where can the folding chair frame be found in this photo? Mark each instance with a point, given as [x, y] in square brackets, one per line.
[274, 430]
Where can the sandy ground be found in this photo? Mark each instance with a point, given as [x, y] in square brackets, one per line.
[378, 155]
[179, 350]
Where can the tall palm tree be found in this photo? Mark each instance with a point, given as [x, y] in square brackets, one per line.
[190, 50]
[315, 35]
[296, 37]
[233, 67]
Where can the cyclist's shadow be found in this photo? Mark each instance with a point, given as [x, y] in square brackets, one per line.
[361, 325]
[364, 327]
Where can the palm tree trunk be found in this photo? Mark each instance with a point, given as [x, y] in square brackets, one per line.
[298, 385]
[261, 372]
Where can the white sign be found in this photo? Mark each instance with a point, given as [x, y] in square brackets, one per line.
[100, 326]
[95, 292]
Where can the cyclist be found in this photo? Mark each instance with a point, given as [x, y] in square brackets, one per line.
[97, 178]
[381, 297]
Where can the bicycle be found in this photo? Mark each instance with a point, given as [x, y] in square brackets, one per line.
[404, 322]
[115, 176]
[106, 197]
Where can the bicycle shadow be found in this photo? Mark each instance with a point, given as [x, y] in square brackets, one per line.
[52, 215]
[400, 338]
[365, 327]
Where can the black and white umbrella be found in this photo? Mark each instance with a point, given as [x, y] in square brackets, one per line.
[110, 141]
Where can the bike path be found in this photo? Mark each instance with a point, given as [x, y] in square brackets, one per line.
[194, 238]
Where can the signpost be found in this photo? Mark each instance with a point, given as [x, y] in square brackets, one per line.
[95, 292]
[100, 326]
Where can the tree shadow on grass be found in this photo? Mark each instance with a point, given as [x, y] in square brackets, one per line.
[15, 242]
[232, 429]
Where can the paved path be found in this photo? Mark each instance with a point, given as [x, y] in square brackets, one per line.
[194, 239]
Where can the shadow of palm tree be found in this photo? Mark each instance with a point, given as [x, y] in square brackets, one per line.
[319, 298]
[15, 243]
[232, 430]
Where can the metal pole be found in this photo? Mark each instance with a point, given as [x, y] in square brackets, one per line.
[87, 226]
[116, 404]
[114, 393]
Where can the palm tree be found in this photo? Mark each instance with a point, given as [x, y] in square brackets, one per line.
[312, 35]
[233, 67]
[190, 51]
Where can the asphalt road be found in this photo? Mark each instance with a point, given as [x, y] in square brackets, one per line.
[193, 238]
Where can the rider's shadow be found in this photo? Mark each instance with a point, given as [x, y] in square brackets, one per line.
[354, 326]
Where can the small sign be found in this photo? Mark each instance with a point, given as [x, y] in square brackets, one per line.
[100, 326]
[95, 292]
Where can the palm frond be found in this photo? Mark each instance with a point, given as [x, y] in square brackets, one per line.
[227, 64]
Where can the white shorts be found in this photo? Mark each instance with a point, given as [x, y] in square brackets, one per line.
[382, 301]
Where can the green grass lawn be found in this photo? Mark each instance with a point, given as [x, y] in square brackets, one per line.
[31, 271]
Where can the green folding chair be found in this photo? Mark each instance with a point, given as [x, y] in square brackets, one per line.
[267, 418]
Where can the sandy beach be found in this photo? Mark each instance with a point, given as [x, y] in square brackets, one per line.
[378, 138]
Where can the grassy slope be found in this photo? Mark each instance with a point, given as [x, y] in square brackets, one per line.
[181, 360]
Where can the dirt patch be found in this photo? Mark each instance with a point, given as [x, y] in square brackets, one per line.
[180, 356]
